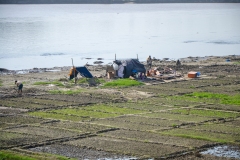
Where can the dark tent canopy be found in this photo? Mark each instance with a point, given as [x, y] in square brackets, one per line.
[131, 66]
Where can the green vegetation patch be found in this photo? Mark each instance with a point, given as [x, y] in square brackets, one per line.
[5, 155]
[220, 107]
[207, 113]
[203, 135]
[52, 115]
[221, 98]
[237, 62]
[68, 92]
[24, 155]
[142, 106]
[73, 114]
[154, 137]
[113, 109]
[123, 83]
[221, 128]
[80, 126]
[1, 82]
[85, 113]
[20, 119]
[9, 139]
[180, 117]
[57, 83]
[138, 123]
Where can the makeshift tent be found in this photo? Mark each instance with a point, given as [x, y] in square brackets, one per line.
[131, 66]
[84, 72]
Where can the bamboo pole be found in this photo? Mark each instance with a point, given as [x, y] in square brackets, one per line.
[74, 72]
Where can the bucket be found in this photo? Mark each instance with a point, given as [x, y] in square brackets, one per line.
[198, 74]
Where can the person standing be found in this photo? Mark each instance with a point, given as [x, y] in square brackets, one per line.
[149, 61]
[19, 85]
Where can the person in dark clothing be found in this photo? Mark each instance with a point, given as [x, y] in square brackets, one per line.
[149, 62]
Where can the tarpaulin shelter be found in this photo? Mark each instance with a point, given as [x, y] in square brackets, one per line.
[83, 71]
[131, 66]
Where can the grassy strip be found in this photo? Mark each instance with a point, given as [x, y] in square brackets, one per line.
[238, 62]
[212, 97]
[68, 92]
[85, 113]
[57, 83]
[219, 128]
[58, 116]
[10, 155]
[202, 135]
[1, 82]
[207, 113]
[85, 80]
[113, 109]
[4, 155]
[123, 83]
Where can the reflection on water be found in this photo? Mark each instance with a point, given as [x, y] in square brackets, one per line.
[101, 31]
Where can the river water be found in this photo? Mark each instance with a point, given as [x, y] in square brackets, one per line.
[51, 35]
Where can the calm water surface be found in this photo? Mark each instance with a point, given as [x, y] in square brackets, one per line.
[50, 35]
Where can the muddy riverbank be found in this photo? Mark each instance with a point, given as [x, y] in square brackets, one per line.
[177, 118]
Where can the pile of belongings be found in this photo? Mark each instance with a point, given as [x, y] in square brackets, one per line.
[163, 73]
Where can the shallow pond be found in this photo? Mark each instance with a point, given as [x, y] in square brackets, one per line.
[224, 151]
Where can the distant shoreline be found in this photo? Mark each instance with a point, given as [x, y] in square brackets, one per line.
[112, 1]
[206, 60]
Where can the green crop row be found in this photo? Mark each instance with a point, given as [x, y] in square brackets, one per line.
[207, 113]
[123, 83]
[221, 98]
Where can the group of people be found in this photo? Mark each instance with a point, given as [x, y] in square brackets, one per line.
[149, 62]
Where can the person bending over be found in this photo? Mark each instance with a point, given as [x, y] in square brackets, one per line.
[19, 85]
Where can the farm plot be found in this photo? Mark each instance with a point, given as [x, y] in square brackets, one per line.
[128, 147]
[180, 117]
[235, 122]
[223, 89]
[85, 113]
[205, 135]
[218, 128]
[9, 139]
[86, 98]
[22, 105]
[78, 152]
[220, 107]
[143, 106]
[45, 131]
[83, 127]
[43, 101]
[152, 137]
[20, 119]
[113, 109]
[8, 110]
[207, 113]
[170, 101]
[138, 123]
[163, 89]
